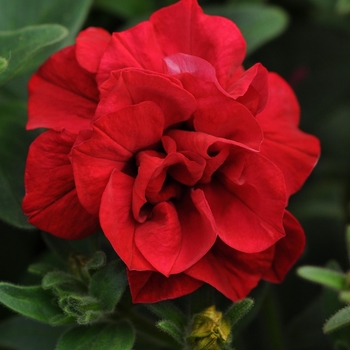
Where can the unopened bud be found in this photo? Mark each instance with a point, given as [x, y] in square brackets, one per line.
[209, 330]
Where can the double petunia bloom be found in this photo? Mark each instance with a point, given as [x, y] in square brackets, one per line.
[186, 160]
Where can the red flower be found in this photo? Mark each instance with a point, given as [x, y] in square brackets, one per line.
[185, 159]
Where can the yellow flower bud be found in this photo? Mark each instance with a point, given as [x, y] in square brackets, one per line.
[209, 330]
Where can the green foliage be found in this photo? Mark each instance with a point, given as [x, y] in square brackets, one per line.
[238, 310]
[172, 329]
[343, 7]
[20, 333]
[13, 152]
[168, 311]
[33, 301]
[339, 320]
[20, 46]
[102, 336]
[326, 277]
[258, 23]
[108, 285]
[127, 9]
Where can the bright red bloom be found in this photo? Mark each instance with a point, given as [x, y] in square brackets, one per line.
[185, 159]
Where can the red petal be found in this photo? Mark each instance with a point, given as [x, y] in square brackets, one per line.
[91, 44]
[184, 28]
[167, 238]
[51, 200]
[287, 249]
[62, 95]
[251, 88]
[248, 205]
[151, 287]
[293, 151]
[231, 272]
[136, 47]
[134, 86]
[159, 238]
[117, 221]
[115, 138]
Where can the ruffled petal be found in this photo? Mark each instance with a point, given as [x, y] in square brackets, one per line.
[91, 44]
[215, 39]
[135, 86]
[293, 151]
[231, 272]
[287, 249]
[117, 221]
[51, 200]
[151, 287]
[248, 201]
[251, 88]
[115, 139]
[136, 47]
[217, 112]
[62, 95]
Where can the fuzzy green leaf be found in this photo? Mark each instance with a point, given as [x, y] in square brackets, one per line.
[101, 336]
[238, 310]
[59, 279]
[172, 329]
[97, 261]
[339, 320]
[168, 311]
[33, 301]
[108, 284]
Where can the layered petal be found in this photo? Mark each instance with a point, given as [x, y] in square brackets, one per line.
[91, 44]
[248, 199]
[215, 39]
[231, 272]
[51, 201]
[293, 151]
[114, 140]
[134, 86]
[151, 287]
[62, 94]
[287, 250]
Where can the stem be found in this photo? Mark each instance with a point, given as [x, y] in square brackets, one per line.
[273, 324]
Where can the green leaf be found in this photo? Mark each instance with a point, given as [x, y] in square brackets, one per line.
[33, 335]
[127, 9]
[70, 14]
[3, 64]
[238, 310]
[347, 240]
[258, 23]
[168, 311]
[326, 277]
[58, 278]
[14, 143]
[101, 336]
[172, 329]
[97, 261]
[108, 284]
[343, 7]
[33, 301]
[339, 320]
[40, 269]
[19, 46]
